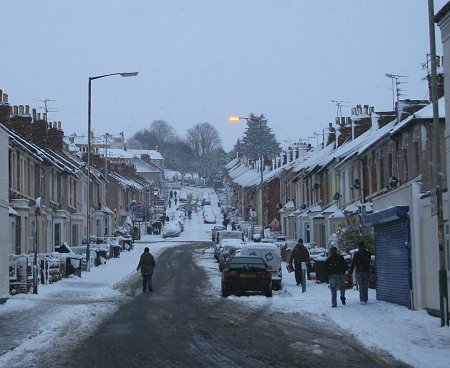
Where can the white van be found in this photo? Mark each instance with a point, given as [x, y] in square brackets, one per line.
[271, 254]
[228, 234]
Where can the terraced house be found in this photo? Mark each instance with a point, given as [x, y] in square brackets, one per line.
[43, 201]
[372, 169]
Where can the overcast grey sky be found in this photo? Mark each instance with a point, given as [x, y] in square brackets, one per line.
[203, 60]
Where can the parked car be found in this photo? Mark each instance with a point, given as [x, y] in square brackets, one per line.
[209, 218]
[220, 245]
[228, 234]
[246, 274]
[171, 229]
[271, 255]
[214, 231]
[179, 216]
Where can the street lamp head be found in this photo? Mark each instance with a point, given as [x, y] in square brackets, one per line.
[129, 74]
[235, 118]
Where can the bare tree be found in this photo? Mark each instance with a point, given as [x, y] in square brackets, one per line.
[180, 157]
[204, 138]
[163, 131]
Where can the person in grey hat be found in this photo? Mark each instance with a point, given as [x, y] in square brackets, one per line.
[146, 265]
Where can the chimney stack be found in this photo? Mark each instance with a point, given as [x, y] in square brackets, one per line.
[55, 137]
[20, 123]
[5, 109]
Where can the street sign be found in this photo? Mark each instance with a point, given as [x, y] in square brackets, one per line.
[140, 213]
[139, 205]
[133, 205]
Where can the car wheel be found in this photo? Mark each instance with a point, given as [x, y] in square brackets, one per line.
[225, 293]
[269, 293]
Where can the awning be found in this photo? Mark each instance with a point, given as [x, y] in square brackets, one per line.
[12, 211]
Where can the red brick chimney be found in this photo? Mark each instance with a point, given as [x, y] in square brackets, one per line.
[123, 169]
[20, 121]
[97, 160]
[331, 134]
[345, 134]
[146, 157]
[55, 136]
[385, 117]
[5, 109]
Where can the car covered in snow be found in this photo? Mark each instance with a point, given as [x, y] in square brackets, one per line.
[171, 229]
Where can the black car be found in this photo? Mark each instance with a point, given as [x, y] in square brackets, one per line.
[246, 274]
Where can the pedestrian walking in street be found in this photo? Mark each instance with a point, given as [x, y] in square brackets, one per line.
[298, 255]
[170, 203]
[361, 262]
[146, 265]
[336, 267]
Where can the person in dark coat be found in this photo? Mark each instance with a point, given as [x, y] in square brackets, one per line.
[298, 255]
[146, 265]
[361, 262]
[336, 267]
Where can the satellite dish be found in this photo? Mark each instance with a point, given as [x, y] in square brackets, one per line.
[394, 182]
[303, 207]
[316, 186]
[336, 196]
[356, 184]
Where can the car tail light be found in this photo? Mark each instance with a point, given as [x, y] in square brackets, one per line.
[263, 275]
[231, 275]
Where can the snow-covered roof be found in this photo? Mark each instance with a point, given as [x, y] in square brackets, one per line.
[315, 208]
[43, 155]
[107, 210]
[125, 182]
[333, 208]
[425, 113]
[337, 214]
[130, 153]
[289, 206]
[143, 166]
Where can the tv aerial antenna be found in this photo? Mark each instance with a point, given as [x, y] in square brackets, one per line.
[339, 105]
[46, 108]
[395, 78]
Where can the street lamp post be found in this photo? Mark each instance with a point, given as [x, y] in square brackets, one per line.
[88, 200]
[261, 183]
[37, 211]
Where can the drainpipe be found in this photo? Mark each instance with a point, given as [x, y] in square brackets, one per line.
[362, 189]
[397, 174]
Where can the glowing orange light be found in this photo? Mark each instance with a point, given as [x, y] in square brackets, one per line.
[234, 118]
